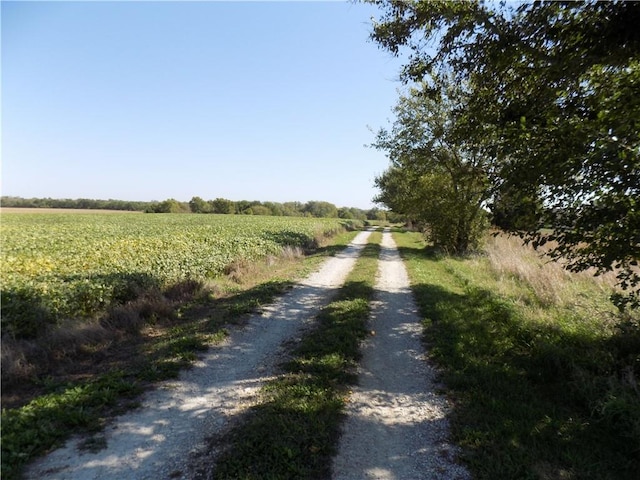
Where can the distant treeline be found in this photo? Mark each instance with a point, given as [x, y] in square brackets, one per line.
[80, 203]
[198, 205]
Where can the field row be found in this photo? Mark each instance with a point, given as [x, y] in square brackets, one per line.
[68, 265]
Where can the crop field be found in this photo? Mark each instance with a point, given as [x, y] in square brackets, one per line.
[69, 265]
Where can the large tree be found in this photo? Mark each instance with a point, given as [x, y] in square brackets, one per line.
[554, 98]
[437, 177]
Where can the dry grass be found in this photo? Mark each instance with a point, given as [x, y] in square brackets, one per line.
[25, 359]
[290, 253]
[547, 280]
[15, 360]
[59, 346]
[245, 272]
[133, 315]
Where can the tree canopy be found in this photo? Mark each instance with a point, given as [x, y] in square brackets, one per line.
[553, 100]
[436, 177]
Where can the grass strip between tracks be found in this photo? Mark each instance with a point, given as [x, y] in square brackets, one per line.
[293, 433]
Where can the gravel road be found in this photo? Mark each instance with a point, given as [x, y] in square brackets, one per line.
[396, 426]
[161, 439]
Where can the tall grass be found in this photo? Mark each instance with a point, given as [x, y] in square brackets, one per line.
[545, 280]
[542, 368]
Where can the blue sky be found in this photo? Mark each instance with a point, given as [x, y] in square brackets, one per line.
[138, 100]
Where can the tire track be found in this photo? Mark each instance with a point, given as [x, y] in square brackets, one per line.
[396, 426]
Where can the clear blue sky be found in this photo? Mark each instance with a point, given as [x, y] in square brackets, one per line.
[139, 100]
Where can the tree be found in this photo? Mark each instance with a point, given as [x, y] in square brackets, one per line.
[351, 213]
[275, 208]
[436, 178]
[376, 214]
[554, 96]
[344, 212]
[293, 209]
[321, 209]
[198, 205]
[260, 210]
[222, 205]
[171, 205]
[515, 210]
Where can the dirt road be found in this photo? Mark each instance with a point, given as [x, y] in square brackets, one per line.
[157, 440]
[396, 428]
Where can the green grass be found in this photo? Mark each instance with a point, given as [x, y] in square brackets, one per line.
[293, 433]
[540, 391]
[70, 407]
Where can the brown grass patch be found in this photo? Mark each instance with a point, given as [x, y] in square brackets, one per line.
[83, 347]
[61, 353]
[290, 253]
[22, 359]
[245, 272]
[548, 280]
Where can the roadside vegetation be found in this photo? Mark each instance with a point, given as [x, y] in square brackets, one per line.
[543, 370]
[70, 376]
[293, 432]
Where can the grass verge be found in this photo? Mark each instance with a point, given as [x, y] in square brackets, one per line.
[293, 432]
[542, 389]
[107, 378]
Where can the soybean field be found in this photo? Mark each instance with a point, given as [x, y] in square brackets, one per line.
[68, 265]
